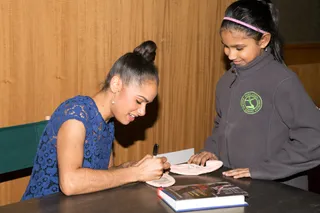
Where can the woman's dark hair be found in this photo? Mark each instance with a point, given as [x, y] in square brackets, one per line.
[135, 66]
[258, 13]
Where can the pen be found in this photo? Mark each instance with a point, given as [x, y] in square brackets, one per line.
[155, 150]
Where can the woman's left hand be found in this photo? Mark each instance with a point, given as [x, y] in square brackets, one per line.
[237, 173]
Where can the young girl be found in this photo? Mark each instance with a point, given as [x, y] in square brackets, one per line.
[75, 151]
[266, 127]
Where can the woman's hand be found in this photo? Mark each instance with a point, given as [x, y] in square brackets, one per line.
[202, 158]
[150, 168]
[128, 164]
[238, 173]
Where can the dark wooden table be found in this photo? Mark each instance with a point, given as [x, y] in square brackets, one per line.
[264, 197]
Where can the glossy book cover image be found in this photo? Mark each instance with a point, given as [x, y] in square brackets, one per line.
[203, 196]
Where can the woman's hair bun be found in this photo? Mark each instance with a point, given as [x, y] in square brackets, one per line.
[266, 1]
[263, 1]
[147, 50]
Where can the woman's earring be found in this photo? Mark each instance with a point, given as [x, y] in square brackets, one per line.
[266, 49]
[113, 102]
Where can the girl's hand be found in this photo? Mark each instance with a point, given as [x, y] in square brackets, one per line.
[238, 173]
[202, 158]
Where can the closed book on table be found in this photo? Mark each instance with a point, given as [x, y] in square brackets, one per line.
[203, 196]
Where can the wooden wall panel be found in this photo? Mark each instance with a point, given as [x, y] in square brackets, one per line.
[52, 50]
[304, 59]
[12, 191]
[302, 53]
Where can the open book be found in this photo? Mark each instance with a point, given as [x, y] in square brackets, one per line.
[203, 196]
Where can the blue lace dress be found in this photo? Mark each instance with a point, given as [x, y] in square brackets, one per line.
[97, 146]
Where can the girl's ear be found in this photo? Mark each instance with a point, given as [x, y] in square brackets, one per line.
[115, 84]
[265, 40]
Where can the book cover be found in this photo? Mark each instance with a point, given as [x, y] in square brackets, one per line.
[203, 196]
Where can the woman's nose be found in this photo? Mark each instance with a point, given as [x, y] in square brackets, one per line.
[142, 111]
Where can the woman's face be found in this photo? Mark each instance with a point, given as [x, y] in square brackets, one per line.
[131, 100]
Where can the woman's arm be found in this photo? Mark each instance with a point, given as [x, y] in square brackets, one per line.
[124, 165]
[73, 179]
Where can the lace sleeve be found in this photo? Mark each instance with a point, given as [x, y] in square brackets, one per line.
[69, 111]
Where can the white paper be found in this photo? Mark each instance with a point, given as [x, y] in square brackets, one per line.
[165, 181]
[178, 157]
[193, 169]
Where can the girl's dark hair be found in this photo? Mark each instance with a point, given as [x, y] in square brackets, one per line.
[135, 66]
[261, 14]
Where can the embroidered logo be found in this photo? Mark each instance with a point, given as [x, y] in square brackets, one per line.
[251, 103]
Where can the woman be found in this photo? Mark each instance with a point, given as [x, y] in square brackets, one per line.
[75, 151]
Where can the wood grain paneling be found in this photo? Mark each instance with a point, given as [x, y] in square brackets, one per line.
[302, 53]
[52, 50]
[304, 59]
[12, 191]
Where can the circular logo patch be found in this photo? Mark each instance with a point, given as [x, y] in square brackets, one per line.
[251, 102]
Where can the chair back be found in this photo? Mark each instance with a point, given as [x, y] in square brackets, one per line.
[18, 146]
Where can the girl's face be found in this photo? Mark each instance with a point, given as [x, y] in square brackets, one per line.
[240, 48]
[131, 100]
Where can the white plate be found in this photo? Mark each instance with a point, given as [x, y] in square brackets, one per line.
[165, 181]
[193, 169]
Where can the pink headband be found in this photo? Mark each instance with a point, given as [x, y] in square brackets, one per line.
[245, 24]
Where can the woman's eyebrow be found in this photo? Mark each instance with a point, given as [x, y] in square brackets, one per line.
[146, 100]
[238, 45]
